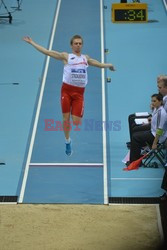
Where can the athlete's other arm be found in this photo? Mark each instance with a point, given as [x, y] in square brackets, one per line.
[55, 54]
[98, 64]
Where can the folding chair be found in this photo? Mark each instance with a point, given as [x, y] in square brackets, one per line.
[159, 154]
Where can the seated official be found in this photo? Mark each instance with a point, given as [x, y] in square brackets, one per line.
[156, 134]
[162, 87]
[133, 127]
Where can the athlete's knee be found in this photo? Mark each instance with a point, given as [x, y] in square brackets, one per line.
[66, 117]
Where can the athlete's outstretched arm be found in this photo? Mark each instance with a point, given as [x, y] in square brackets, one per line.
[55, 54]
[98, 64]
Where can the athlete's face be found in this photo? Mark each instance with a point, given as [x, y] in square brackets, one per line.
[77, 45]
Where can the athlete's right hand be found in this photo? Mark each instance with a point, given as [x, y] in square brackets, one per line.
[27, 39]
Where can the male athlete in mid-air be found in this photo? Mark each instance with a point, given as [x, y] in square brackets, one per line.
[74, 81]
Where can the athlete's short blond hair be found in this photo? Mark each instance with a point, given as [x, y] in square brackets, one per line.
[75, 37]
